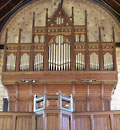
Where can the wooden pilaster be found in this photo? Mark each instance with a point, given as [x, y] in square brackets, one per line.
[102, 95]
[31, 99]
[72, 52]
[101, 64]
[16, 102]
[46, 45]
[5, 52]
[87, 58]
[18, 52]
[88, 96]
[32, 46]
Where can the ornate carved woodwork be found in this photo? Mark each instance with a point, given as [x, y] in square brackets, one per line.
[60, 29]
[60, 58]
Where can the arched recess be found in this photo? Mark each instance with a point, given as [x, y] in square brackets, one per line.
[11, 62]
[94, 62]
[59, 54]
[36, 39]
[42, 39]
[24, 62]
[82, 38]
[108, 61]
[77, 38]
[80, 61]
[38, 62]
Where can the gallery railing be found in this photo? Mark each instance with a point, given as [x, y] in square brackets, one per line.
[53, 102]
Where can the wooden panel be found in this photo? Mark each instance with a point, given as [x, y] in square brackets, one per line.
[23, 106]
[102, 123]
[82, 123]
[65, 122]
[40, 122]
[108, 90]
[24, 91]
[116, 122]
[12, 106]
[10, 78]
[106, 105]
[81, 90]
[24, 123]
[6, 123]
[66, 89]
[95, 91]
[95, 105]
[52, 122]
[37, 89]
[80, 106]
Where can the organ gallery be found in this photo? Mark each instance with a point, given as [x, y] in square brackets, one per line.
[61, 74]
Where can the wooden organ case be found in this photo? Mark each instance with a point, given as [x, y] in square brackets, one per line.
[60, 58]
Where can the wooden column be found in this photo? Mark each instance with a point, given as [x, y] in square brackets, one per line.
[5, 52]
[101, 58]
[114, 51]
[18, 52]
[72, 52]
[30, 106]
[88, 96]
[16, 102]
[73, 93]
[32, 46]
[73, 88]
[46, 45]
[87, 58]
[102, 95]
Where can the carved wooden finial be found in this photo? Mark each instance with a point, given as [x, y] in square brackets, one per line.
[33, 19]
[61, 4]
[113, 34]
[19, 38]
[99, 34]
[73, 15]
[6, 36]
[46, 16]
[85, 17]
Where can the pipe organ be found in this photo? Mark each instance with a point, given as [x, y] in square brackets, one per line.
[59, 54]
[60, 58]
[60, 46]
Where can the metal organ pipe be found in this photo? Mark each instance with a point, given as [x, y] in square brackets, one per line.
[11, 60]
[59, 54]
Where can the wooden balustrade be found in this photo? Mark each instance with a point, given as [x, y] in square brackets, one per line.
[53, 102]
